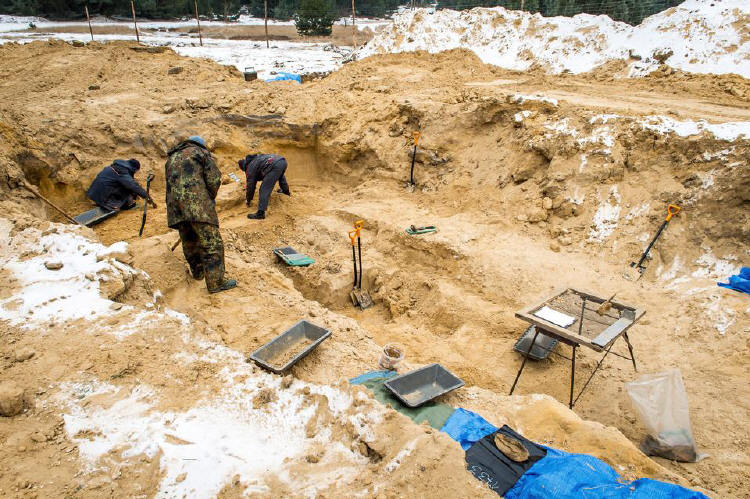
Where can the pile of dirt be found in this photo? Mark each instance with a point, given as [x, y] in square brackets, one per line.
[535, 182]
[700, 36]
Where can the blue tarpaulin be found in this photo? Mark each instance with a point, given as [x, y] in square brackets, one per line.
[466, 427]
[287, 76]
[740, 282]
[563, 475]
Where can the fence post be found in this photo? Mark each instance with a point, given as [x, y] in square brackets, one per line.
[200, 36]
[354, 28]
[135, 23]
[86, 8]
[265, 19]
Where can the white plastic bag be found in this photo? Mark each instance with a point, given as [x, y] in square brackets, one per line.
[661, 402]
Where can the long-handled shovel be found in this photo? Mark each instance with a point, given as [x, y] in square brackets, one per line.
[29, 188]
[414, 157]
[672, 210]
[353, 294]
[363, 297]
[149, 178]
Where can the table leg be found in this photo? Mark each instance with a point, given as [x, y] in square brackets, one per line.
[525, 358]
[572, 375]
[630, 348]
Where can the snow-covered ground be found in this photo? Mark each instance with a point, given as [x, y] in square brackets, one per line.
[282, 56]
[701, 36]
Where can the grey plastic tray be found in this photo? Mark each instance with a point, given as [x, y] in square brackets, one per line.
[288, 340]
[424, 384]
[542, 346]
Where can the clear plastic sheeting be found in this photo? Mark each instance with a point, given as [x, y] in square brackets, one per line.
[662, 403]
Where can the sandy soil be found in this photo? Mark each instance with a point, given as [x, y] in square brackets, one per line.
[518, 205]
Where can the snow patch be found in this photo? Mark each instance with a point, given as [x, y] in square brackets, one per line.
[606, 217]
[729, 131]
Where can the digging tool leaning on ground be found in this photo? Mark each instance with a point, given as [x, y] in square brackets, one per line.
[267, 169]
[193, 180]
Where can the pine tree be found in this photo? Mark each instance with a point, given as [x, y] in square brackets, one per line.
[315, 17]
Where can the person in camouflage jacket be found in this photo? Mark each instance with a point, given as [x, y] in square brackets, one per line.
[193, 181]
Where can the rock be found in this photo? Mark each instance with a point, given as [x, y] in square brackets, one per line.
[78, 43]
[554, 247]
[24, 354]
[38, 437]
[91, 277]
[53, 265]
[175, 70]
[547, 203]
[286, 381]
[180, 478]
[94, 87]
[115, 306]
[565, 240]
[11, 399]
[167, 109]
[536, 215]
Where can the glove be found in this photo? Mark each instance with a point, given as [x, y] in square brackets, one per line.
[151, 202]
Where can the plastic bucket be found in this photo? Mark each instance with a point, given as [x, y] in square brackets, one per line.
[391, 357]
[250, 74]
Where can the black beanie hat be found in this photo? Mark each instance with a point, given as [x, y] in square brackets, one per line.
[135, 164]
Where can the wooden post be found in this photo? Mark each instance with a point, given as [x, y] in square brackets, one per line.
[265, 19]
[135, 23]
[354, 28]
[200, 36]
[86, 8]
[522, 4]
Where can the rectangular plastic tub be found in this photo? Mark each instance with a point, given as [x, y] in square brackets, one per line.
[424, 384]
[282, 352]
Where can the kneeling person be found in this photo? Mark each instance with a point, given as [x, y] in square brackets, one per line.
[115, 187]
[267, 169]
[193, 181]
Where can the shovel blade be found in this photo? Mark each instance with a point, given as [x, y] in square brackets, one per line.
[354, 297]
[633, 273]
[365, 301]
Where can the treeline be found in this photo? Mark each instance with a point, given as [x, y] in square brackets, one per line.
[630, 11]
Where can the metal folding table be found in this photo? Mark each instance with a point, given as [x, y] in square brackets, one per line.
[598, 332]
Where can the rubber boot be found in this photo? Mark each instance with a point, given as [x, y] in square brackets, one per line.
[227, 284]
[259, 215]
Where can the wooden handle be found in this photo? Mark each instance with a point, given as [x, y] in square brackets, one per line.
[29, 188]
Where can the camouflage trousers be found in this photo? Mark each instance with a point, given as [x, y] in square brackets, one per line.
[204, 251]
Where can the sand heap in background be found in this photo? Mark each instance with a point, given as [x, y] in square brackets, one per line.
[700, 36]
[534, 181]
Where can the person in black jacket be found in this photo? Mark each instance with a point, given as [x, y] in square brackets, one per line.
[115, 188]
[267, 169]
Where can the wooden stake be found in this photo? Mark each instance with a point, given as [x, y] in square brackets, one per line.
[354, 28]
[200, 37]
[86, 8]
[265, 19]
[135, 23]
[29, 188]
[522, 4]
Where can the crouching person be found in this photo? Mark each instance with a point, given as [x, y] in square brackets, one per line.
[193, 181]
[115, 187]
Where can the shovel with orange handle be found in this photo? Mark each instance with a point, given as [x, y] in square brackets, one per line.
[359, 297]
[672, 210]
[416, 135]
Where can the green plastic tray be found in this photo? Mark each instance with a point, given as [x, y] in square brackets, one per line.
[290, 256]
[421, 230]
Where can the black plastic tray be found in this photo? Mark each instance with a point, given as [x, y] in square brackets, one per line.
[94, 216]
[424, 384]
[542, 346]
[286, 340]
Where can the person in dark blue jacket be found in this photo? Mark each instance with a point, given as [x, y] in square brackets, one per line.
[266, 169]
[115, 188]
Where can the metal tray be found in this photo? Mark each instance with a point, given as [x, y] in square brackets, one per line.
[286, 341]
[424, 384]
[291, 257]
[542, 346]
[94, 216]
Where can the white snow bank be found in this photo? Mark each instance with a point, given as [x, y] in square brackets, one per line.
[42, 295]
[17, 23]
[704, 36]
